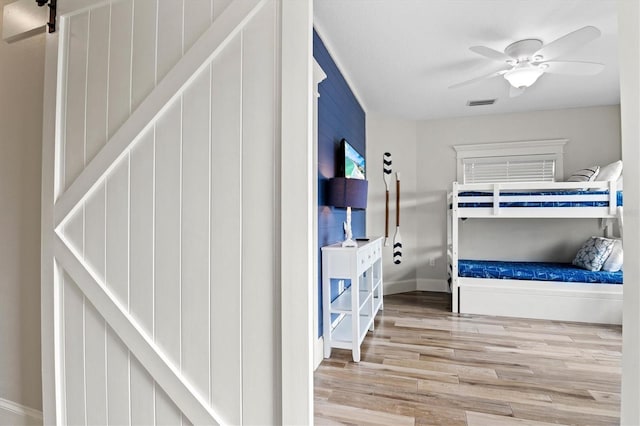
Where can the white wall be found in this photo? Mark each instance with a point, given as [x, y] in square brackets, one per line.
[594, 138]
[21, 89]
[629, 16]
[399, 138]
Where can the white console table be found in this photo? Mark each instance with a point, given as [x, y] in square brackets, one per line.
[356, 306]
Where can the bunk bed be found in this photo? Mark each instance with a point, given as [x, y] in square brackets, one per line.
[533, 289]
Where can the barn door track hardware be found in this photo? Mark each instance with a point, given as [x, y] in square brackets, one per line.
[51, 25]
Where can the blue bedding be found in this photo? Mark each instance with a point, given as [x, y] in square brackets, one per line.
[536, 271]
[539, 203]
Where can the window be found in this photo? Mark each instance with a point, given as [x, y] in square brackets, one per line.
[523, 161]
[509, 169]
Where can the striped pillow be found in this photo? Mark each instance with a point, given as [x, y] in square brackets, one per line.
[584, 175]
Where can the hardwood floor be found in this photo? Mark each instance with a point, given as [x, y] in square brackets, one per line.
[425, 366]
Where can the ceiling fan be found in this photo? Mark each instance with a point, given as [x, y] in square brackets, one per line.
[528, 59]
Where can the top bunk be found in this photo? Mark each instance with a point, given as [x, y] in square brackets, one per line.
[536, 200]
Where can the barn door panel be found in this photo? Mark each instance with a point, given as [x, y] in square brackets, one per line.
[165, 180]
[114, 385]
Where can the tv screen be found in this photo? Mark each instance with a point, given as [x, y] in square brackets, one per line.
[353, 165]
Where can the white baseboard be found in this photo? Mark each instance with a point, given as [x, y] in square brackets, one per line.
[395, 287]
[421, 284]
[432, 284]
[18, 414]
[318, 352]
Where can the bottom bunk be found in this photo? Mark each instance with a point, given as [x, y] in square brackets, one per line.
[551, 291]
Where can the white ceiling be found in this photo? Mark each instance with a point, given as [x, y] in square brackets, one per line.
[399, 56]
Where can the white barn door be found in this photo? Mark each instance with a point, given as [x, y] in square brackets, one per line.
[160, 233]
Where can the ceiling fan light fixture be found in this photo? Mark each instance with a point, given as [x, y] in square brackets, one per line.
[523, 76]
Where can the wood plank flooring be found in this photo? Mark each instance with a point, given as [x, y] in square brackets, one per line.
[425, 366]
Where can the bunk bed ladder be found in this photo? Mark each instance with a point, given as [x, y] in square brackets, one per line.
[455, 299]
[613, 198]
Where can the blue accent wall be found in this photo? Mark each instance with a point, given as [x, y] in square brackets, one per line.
[339, 116]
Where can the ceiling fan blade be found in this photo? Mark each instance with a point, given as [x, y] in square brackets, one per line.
[572, 67]
[515, 91]
[490, 53]
[474, 80]
[569, 42]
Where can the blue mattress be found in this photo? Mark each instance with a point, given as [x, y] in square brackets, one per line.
[539, 203]
[536, 271]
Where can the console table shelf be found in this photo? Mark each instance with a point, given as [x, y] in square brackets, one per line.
[360, 268]
[341, 334]
[343, 303]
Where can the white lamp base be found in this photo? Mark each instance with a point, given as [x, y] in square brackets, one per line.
[349, 243]
[347, 230]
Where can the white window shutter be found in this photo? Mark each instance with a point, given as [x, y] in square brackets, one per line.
[530, 168]
[517, 161]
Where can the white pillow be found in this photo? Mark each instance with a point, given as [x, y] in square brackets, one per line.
[610, 172]
[584, 175]
[614, 261]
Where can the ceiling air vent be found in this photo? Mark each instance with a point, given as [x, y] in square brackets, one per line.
[481, 102]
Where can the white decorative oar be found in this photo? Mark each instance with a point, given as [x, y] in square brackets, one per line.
[386, 175]
[397, 240]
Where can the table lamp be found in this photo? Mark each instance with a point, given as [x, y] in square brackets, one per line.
[348, 193]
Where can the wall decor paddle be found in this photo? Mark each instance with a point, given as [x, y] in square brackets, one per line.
[386, 175]
[397, 240]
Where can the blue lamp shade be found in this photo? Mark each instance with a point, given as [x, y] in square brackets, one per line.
[344, 192]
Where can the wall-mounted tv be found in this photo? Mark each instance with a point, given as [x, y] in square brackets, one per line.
[352, 163]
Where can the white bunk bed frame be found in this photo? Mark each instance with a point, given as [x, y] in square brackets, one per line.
[595, 303]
